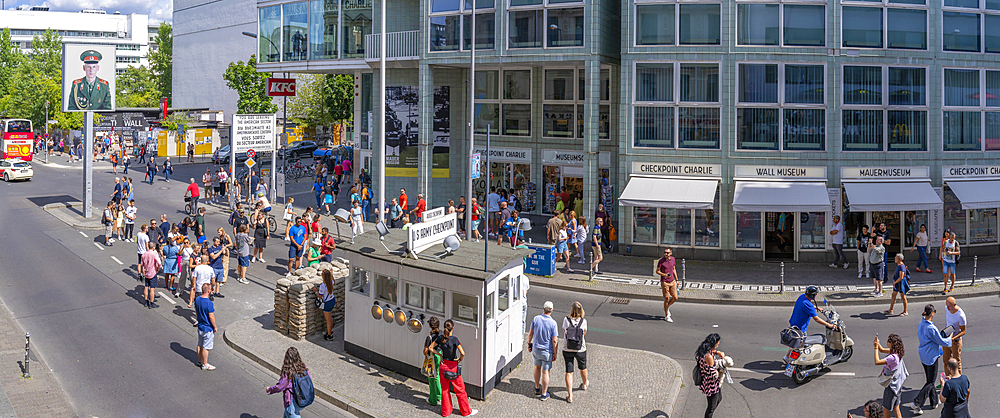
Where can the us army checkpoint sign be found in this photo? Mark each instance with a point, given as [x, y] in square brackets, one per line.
[88, 82]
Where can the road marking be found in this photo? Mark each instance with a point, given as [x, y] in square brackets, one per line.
[167, 298]
[84, 235]
[984, 348]
[607, 331]
[738, 369]
[99, 246]
[117, 260]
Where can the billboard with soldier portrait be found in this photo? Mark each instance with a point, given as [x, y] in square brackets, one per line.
[88, 78]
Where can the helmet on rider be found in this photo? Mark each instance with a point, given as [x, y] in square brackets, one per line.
[812, 291]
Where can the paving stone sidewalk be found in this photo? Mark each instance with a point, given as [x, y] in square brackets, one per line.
[366, 390]
[38, 396]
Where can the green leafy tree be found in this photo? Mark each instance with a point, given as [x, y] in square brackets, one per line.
[161, 61]
[340, 97]
[137, 87]
[175, 120]
[322, 100]
[10, 61]
[250, 85]
[37, 80]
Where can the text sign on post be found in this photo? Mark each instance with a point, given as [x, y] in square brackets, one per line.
[430, 214]
[281, 87]
[426, 234]
[476, 165]
[253, 131]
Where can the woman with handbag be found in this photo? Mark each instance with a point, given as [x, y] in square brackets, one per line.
[432, 362]
[451, 371]
[711, 385]
[900, 285]
[327, 300]
[575, 330]
[893, 373]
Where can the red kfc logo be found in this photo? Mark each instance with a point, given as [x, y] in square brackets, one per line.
[281, 87]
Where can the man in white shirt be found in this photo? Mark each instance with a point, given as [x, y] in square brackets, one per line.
[837, 234]
[203, 273]
[493, 207]
[141, 240]
[955, 318]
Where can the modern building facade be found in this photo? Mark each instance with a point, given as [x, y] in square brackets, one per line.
[728, 130]
[127, 32]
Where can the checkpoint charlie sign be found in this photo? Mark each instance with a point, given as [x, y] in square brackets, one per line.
[253, 131]
[426, 234]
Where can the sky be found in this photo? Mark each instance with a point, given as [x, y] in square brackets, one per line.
[158, 10]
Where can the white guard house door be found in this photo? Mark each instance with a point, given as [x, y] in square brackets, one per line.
[503, 310]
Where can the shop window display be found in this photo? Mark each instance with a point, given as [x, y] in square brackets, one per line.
[812, 227]
[954, 215]
[982, 226]
[706, 225]
[675, 225]
[644, 225]
[747, 229]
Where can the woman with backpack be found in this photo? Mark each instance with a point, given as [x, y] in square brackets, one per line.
[709, 383]
[575, 330]
[294, 373]
[900, 285]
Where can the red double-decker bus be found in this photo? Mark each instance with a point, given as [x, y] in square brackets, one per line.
[16, 139]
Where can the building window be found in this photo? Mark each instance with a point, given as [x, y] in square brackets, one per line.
[669, 226]
[692, 115]
[655, 24]
[971, 107]
[954, 215]
[747, 229]
[324, 21]
[700, 24]
[360, 281]
[781, 107]
[670, 23]
[982, 226]
[812, 235]
[896, 25]
[269, 34]
[385, 288]
[414, 295]
[465, 308]
[778, 24]
[435, 300]
[885, 108]
[451, 19]
[294, 31]
[548, 23]
[971, 26]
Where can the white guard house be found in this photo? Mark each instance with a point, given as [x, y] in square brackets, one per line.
[390, 296]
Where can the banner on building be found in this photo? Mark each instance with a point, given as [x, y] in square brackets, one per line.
[402, 119]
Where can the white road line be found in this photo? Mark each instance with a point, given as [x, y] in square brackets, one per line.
[738, 369]
[99, 247]
[117, 260]
[84, 235]
[167, 298]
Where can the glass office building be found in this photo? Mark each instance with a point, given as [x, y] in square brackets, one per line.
[727, 130]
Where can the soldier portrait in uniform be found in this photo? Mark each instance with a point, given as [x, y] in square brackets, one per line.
[95, 89]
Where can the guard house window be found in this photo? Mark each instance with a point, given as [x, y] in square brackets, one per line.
[781, 107]
[385, 288]
[971, 26]
[465, 308]
[791, 24]
[414, 295]
[885, 108]
[451, 19]
[359, 281]
[545, 23]
[898, 24]
[971, 110]
[676, 100]
[435, 300]
[503, 294]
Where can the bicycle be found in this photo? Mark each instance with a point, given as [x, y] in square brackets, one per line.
[188, 208]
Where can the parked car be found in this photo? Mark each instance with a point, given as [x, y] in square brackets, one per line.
[301, 149]
[224, 155]
[16, 169]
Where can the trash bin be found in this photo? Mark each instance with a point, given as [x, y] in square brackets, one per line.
[542, 262]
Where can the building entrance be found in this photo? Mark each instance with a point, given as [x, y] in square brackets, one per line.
[779, 236]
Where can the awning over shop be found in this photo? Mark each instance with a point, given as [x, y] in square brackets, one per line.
[781, 196]
[892, 196]
[673, 193]
[977, 194]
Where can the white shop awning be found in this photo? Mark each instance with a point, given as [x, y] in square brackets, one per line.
[781, 196]
[892, 196]
[977, 194]
[652, 192]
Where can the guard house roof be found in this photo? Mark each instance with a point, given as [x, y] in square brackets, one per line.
[467, 261]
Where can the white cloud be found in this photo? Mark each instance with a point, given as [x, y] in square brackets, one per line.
[158, 10]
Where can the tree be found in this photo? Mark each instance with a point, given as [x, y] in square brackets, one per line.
[137, 87]
[10, 61]
[161, 62]
[176, 120]
[340, 97]
[322, 100]
[37, 80]
[250, 85]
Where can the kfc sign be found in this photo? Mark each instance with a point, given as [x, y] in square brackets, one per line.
[281, 87]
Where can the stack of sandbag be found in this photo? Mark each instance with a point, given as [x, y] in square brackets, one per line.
[295, 311]
[281, 306]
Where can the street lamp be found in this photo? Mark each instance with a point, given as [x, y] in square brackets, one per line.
[46, 132]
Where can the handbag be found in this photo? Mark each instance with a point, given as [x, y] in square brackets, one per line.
[427, 369]
[884, 379]
[453, 375]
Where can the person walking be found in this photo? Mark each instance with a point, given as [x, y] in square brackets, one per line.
[876, 255]
[324, 292]
[837, 238]
[194, 194]
[595, 245]
[292, 369]
[900, 285]
[493, 208]
[219, 254]
[126, 162]
[571, 232]
[205, 312]
[108, 220]
[666, 268]
[575, 329]
[543, 341]
[434, 374]
[893, 365]
[452, 354]
[366, 201]
[581, 237]
[956, 319]
[949, 257]
[168, 169]
[460, 211]
[190, 153]
[317, 189]
[955, 392]
[711, 385]
[171, 262]
[920, 244]
[395, 213]
[151, 265]
[357, 222]
[206, 181]
[151, 170]
[864, 265]
[931, 342]
[243, 245]
[562, 246]
[296, 245]
[477, 212]
[552, 228]
[141, 240]
[288, 215]
[260, 236]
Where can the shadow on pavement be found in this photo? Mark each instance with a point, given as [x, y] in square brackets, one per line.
[131, 273]
[774, 381]
[45, 200]
[765, 365]
[521, 386]
[185, 352]
[266, 320]
[630, 316]
[137, 294]
[183, 311]
[872, 315]
[405, 393]
[656, 414]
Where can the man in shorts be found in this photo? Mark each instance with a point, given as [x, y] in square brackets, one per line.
[218, 253]
[296, 245]
[207, 181]
[202, 274]
[666, 268]
[151, 265]
[141, 240]
[543, 344]
[205, 312]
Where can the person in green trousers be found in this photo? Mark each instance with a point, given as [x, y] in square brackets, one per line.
[434, 380]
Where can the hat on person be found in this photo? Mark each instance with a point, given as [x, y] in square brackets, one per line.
[317, 242]
[90, 57]
[548, 305]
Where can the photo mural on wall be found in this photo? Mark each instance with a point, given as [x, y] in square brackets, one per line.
[402, 118]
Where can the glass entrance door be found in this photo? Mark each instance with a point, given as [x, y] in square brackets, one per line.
[779, 236]
[893, 225]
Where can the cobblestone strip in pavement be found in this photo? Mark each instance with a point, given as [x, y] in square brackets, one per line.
[38, 396]
[366, 390]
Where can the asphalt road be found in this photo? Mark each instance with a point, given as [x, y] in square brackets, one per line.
[111, 355]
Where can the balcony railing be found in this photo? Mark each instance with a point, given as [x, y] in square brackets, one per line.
[399, 46]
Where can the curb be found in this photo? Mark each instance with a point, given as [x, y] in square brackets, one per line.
[327, 395]
[677, 381]
[72, 222]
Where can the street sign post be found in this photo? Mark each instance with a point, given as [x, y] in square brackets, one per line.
[250, 162]
[251, 153]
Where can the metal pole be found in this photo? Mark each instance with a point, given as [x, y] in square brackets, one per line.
[782, 289]
[45, 141]
[88, 164]
[274, 154]
[591, 267]
[231, 179]
[489, 182]
[27, 355]
[684, 274]
[472, 131]
[975, 268]
[381, 112]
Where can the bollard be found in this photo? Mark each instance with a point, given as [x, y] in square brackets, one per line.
[782, 288]
[27, 352]
[591, 268]
[684, 274]
[975, 268]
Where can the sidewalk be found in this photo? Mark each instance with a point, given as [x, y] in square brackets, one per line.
[369, 391]
[38, 396]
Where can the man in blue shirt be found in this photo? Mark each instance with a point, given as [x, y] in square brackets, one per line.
[205, 312]
[217, 252]
[930, 350]
[296, 246]
[805, 309]
[544, 341]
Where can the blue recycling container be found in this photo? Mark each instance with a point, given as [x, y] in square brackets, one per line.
[542, 262]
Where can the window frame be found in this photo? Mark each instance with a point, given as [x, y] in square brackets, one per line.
[692, 217]
[981, 12]
[406, 295]
[677, 21]
[544, 8]
[674, 103]
[884, 106]
[462, 13]
[781, 105]
[884, 5]
[982, 108]
[577, 102]
[781, 21]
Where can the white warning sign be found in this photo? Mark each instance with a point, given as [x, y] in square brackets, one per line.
[253, 131]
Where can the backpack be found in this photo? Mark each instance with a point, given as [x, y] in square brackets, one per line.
[104, 217]
[696, 374]
[574, 335]
[303, 391]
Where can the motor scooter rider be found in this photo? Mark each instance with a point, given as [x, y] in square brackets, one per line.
[805, 308]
